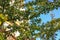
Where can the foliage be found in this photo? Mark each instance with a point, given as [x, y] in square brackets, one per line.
[1, 36]
[50, 28]
[15, 15]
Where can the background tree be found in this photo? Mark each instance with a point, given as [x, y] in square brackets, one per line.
[17, 17]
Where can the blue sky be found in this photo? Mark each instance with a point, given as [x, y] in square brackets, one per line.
[47, 17]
